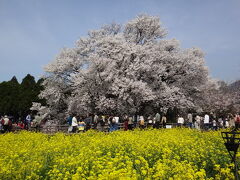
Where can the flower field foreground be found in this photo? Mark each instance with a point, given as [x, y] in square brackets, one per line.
[149, 154]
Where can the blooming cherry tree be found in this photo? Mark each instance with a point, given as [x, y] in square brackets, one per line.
[126, 70]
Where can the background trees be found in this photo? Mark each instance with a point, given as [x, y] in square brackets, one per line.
[16, 98]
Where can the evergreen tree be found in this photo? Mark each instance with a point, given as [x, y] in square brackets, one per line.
[9, 97]
[16, 99]
[28, 94]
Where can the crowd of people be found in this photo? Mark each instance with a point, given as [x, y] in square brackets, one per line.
[112, 123]
[206, 121]
[8, 123]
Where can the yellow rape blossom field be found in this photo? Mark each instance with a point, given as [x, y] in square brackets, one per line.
[147, 154]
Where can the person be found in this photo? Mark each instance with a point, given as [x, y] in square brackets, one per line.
[101, 123]
[224, 122]
[110, 118]
[115, 121]
[157, 120]
[69, 121]
[95, 121]
[130, 123]
[220, 122]
[231, 121]
[164, 121]
[88, 122]
[21, 125]
[98, 124]
[74, 124]
[154, 122]
[113, 124]
[28, 121]
[190, 120]
[1, 126]
[125, 124]
[135, 120]
[237, 122]
[180, 121]
[150, 121]
[214, 124]
[197, 122]
[206, 121]
[6, 124]
[141, 122]
[227, 124]
[81, 126]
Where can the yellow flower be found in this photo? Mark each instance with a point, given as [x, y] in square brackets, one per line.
[148, 154]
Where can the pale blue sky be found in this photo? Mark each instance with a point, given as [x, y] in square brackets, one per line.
[32, 32]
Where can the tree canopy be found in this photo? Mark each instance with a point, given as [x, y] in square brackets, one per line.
[126, 69]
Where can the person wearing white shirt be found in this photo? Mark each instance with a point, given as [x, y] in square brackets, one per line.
[206, 121]
[5, 124]
[116, 119]
[115, 122]
[141, 122]
[28, 121]
[74, 124]
[190, 120]
[180, 121]
[227, 124]
[197, 122]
